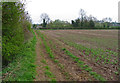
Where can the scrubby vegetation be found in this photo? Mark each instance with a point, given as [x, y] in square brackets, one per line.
[15, 23]
[18, 43]
[23, 68]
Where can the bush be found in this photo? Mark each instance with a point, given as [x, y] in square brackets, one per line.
[14, 23]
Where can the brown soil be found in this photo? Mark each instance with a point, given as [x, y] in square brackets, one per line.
[70, 65]
[98, 38]
[106, 71]
[70, 70]
[42, 55]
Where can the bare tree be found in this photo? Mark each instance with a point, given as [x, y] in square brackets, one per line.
[107, 22]
[92, 18]
[110, 19]
[107, 19]
[45, 17]
[82, 14]
[95, 19]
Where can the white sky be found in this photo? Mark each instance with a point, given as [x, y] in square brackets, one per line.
[68, 10]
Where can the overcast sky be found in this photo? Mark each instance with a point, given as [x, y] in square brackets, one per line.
[68, 10]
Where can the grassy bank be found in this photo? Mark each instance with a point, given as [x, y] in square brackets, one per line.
[23, 68]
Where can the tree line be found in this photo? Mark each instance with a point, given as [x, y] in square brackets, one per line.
[83, 21]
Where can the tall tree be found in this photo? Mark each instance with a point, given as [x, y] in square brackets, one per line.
[91, 24]
[107, 21]
[82, 14]
[45, 18]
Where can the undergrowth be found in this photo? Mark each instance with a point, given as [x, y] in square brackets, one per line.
[23, 67]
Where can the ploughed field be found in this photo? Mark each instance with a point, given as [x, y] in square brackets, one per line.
[78, 55]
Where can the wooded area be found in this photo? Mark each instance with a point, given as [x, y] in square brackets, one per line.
[82, 22]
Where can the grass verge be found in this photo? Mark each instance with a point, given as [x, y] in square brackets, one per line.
[23, 68]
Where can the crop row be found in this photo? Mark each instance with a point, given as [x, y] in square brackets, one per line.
[83, 66]
[49, 51]
[101, 56]
[47, 71]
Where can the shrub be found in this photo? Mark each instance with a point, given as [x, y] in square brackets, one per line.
[14, 23]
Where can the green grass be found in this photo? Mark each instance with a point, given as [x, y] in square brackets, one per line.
[23, 67]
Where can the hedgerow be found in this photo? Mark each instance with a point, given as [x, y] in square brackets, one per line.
[15, 21]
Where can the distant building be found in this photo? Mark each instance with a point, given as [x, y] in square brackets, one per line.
[119, 11]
